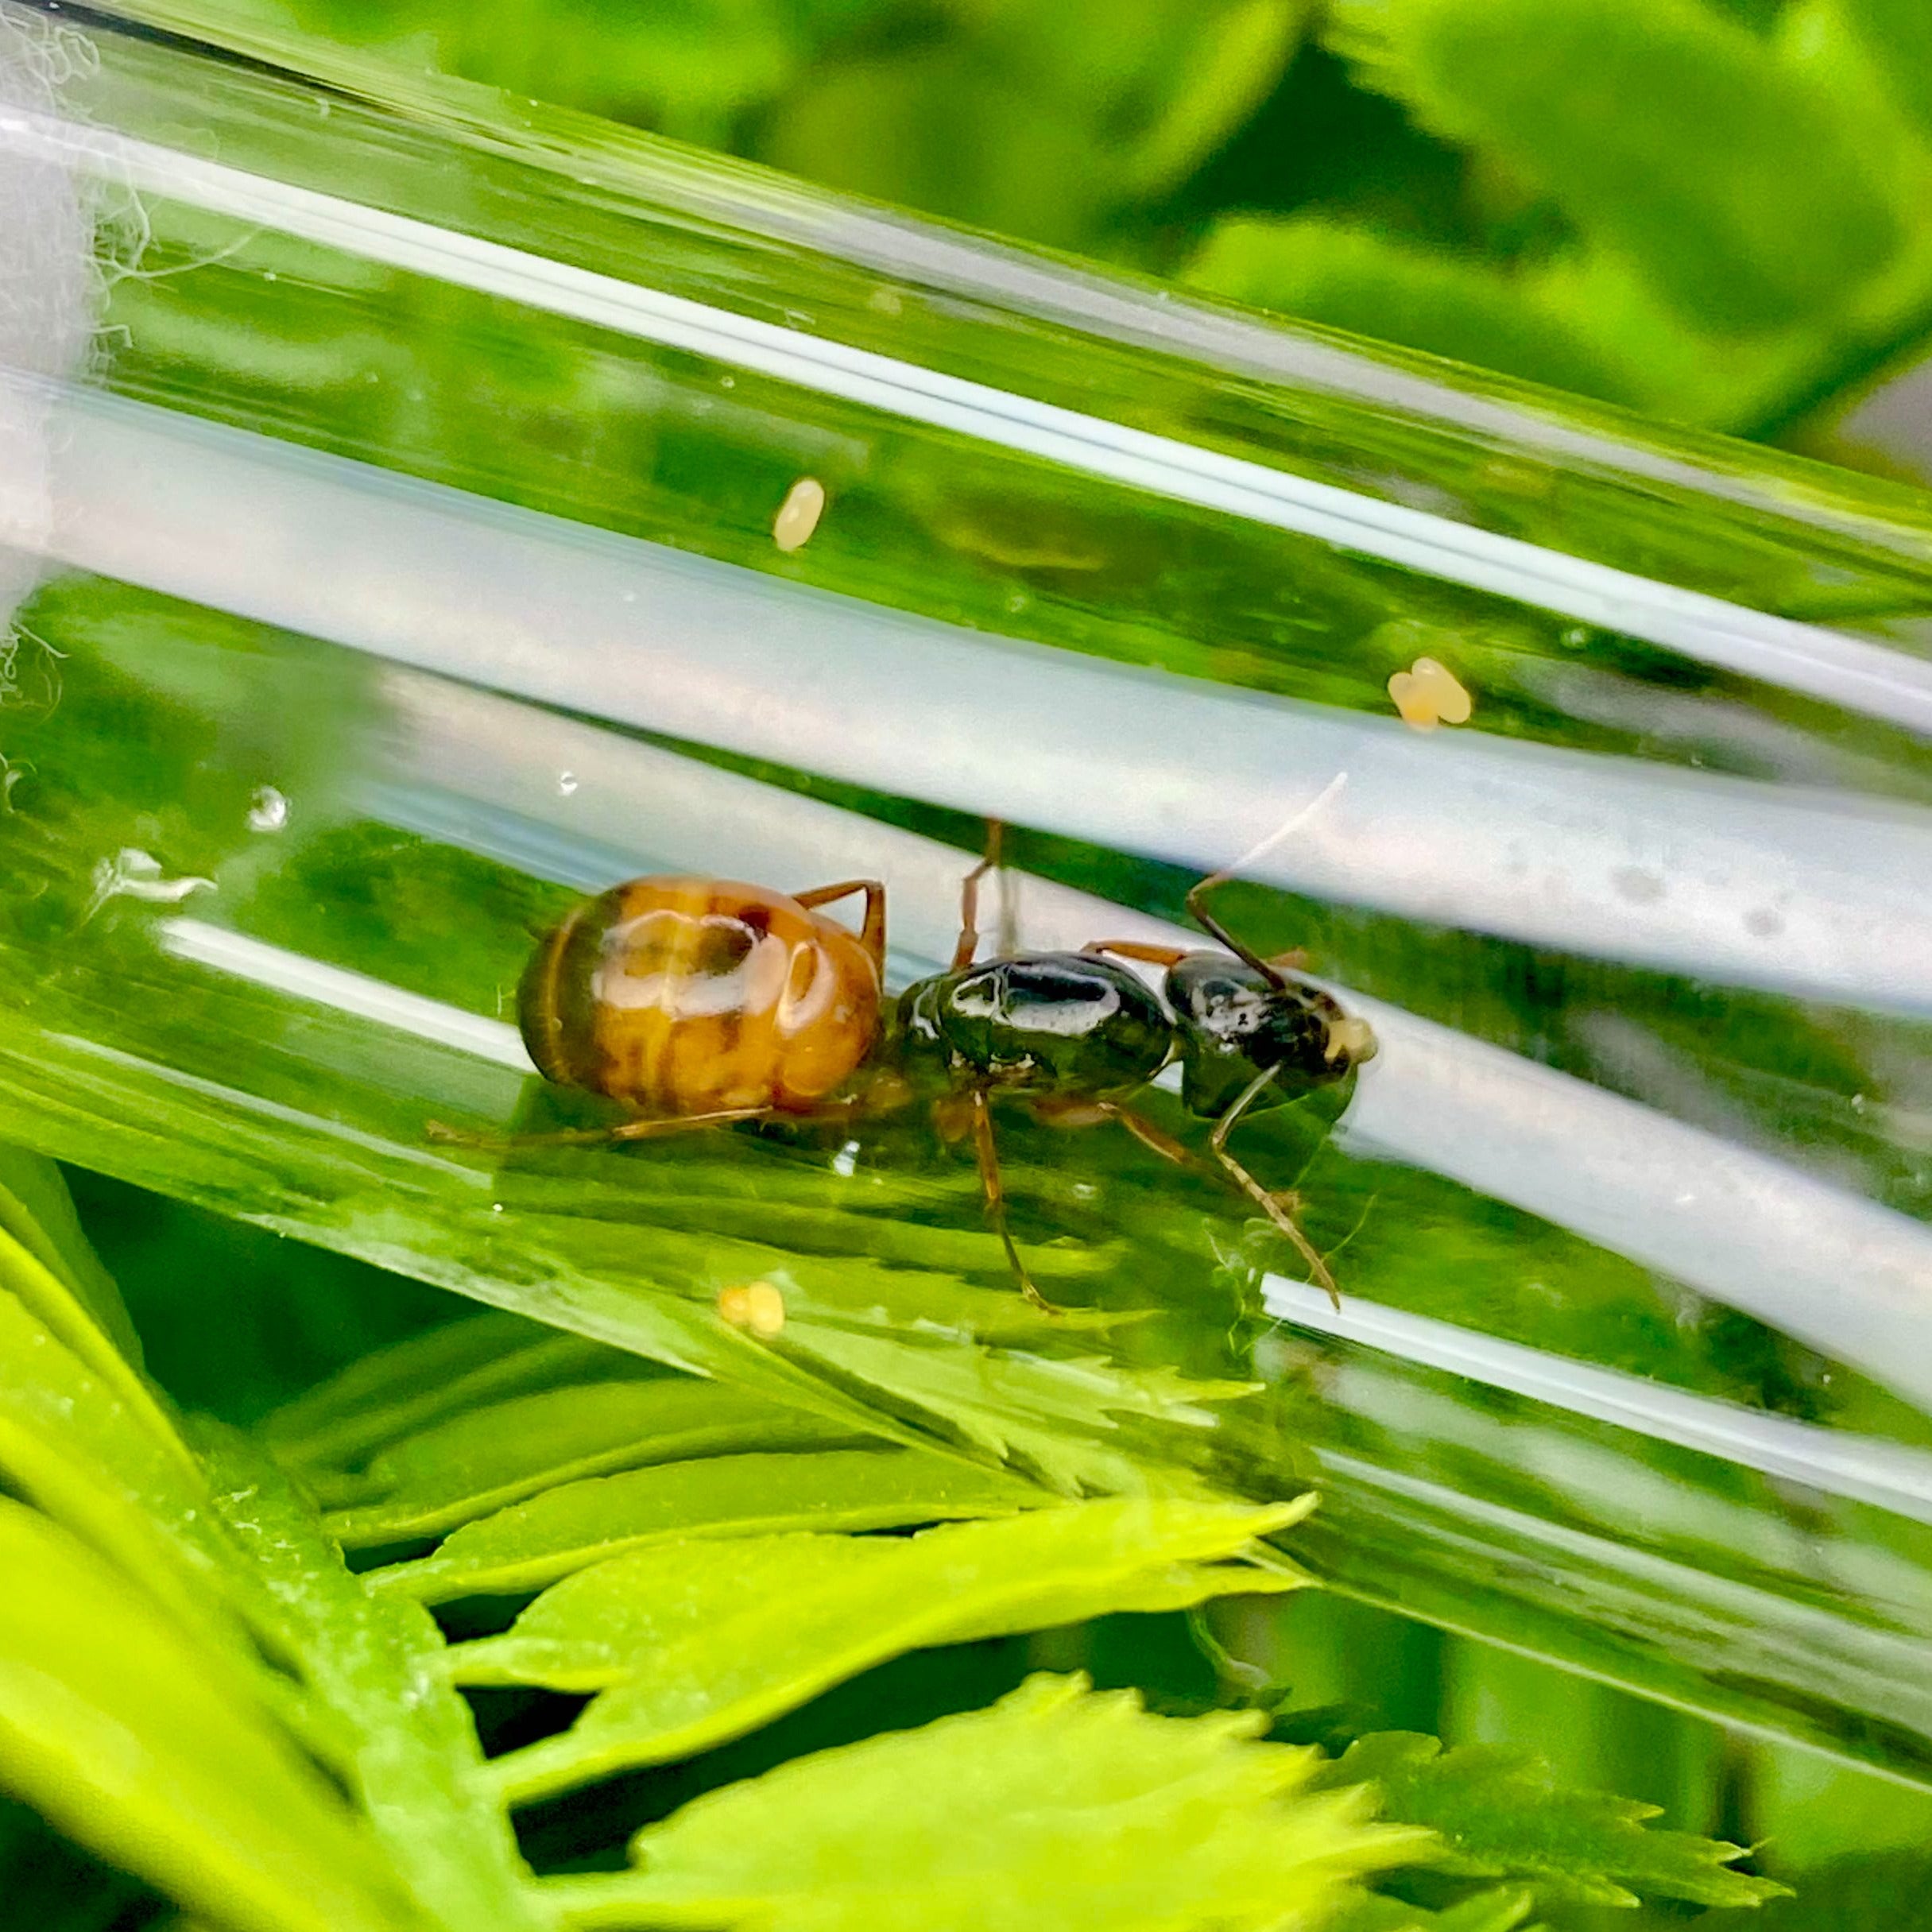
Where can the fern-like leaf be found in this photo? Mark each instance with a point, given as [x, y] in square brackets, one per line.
[1056, 1809]
[195, 1686]
[575, 1525]
[1346, 278]
[1500, 1814]
[689, 1644]
[1507, 1910]
[1664, 131]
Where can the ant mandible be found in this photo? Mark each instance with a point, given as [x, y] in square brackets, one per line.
[701, 1002]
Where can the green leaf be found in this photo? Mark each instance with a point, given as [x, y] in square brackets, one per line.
[937, 128]
[1897, 35]
[57, 1301]
[1488, 1912]
[576, 1524]
[420, 1380]
[690, 1644]
[1056, 1808]
[684, 66]
[1059, 1420]
[1234, 57]
[69, 1447]
[1046, 122]
[1664, 131]
[479, 1461]
[1161, 83]
[1347, 278]
[1500, 1814]
[37, 1210]
[407, 1744]
[143, 1747]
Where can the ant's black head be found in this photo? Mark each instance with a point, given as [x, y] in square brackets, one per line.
[1233, 1020]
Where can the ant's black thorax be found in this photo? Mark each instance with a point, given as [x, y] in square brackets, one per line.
[1049, 1023]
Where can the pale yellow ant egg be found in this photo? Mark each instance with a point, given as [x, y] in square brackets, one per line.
[1453, 703]
[798, 515]
[1429, 694]
[1415, 701]
[755, 1307]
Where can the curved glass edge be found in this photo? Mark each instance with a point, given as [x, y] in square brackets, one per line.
[1584, 479]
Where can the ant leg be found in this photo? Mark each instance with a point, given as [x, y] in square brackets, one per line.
[968, 897]
[1053, 1110]
[647, 1129]
[1271, 1204]
[885, 1092]
[1069, 1110]
[1156, 1139]
[1136, 949]
[872, 934]
[968, 943]
[1066, 1111]
[996, 1198]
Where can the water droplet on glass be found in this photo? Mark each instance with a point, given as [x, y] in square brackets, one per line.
[268, 811]
[566, 783]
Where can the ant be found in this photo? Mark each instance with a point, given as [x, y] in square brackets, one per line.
[703, 1002]
[1074, 1034]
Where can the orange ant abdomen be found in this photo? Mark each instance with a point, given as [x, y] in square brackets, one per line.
[687, 996]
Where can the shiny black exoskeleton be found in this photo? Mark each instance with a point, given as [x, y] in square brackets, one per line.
[1045, 1023]
[1232, 1022]
[1082, 1024]
[1074, 1034]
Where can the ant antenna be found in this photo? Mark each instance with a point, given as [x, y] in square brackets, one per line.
[1213, 928]
[1197, 905]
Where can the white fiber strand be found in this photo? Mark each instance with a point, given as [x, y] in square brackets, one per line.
[48, 285]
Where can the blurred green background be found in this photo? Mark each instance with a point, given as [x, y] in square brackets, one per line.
[1716, 212]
